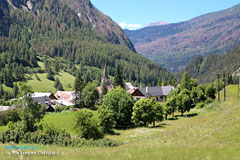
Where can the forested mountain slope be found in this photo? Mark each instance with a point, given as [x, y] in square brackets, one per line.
[206, 69]
[52, 32]
[175, 45]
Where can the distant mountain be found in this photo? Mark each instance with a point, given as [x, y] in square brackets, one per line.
[161, 23]
[206, 69]
[67, 35]
[175, 45]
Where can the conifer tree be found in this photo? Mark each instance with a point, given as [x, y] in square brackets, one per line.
[50, 74]
[104, 88]
[118, 81]
[185, 83]
[15, 90]
[57, 82]
[78, 87]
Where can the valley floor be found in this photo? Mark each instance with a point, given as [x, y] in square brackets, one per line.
[209, 133]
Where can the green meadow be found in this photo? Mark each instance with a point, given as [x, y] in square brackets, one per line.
[211, 133]
[40, 83]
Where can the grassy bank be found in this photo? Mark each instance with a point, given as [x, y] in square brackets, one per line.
[208, 133]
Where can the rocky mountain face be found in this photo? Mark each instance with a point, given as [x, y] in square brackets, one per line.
[175, 45]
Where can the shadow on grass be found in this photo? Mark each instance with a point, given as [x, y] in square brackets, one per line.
[173, 118]
[161, 125]
[187, 115]
[114, 133]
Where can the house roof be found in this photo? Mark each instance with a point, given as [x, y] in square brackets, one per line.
[128, 85]
[4, 108]
[38, 94]
[65, 95]
[156, 91]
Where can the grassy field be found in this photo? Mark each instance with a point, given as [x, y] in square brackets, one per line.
[42, 84]
[209, 133]
[64, 120]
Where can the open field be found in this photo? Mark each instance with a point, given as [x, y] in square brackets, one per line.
[208, 133]
[42, 84]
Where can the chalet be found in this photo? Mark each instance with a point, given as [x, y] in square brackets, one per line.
[44, 98]
[65, 98]
[47, 99]
[159, 93]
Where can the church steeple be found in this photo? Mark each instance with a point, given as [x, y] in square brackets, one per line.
[105, 77]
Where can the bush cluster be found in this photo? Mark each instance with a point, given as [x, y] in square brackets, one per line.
[55, 137]
[9, 115]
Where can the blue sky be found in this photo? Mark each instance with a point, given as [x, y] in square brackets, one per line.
[134, 14]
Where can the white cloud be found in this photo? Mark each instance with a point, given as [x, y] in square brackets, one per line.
[130, 26]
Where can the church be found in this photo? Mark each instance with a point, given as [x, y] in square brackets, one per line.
[105, 78]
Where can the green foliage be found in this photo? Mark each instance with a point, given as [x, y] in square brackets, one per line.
[90, 95]
[185, 83]
[11, 115]
[183, 101]
[144, 111]
[32, 112]
[211, 91]
[50, 135]
[15, 90]
[207, 69]
[78, 87]
[120, 103]
[68, 43]
[159, 112]
[58, 85]
[170, 106]
[106, 119]
[50, 74]
[86, 125]
[118, 81]
[104, 89]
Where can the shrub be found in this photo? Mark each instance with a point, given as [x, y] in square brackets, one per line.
[86, 125]
[58, 137]
[143, 112]
[200, 105]
[121, 105]
[106, 119]
[9, 115]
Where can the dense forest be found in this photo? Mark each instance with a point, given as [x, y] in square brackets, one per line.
[51, 32]
[207, 69]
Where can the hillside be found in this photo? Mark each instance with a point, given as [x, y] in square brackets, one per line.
[99, 22]
[208, 133]
[51, 31]
[174, 45]
[206, 69]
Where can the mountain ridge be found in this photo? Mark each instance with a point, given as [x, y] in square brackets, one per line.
[175, 45]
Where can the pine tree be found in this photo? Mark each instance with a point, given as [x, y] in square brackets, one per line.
[118, 81]
[185, 83]
[60, 87]
[57, 82]
[104, 89]
[78, 87]
[1, 91]
[15, 90]
[50, 74]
